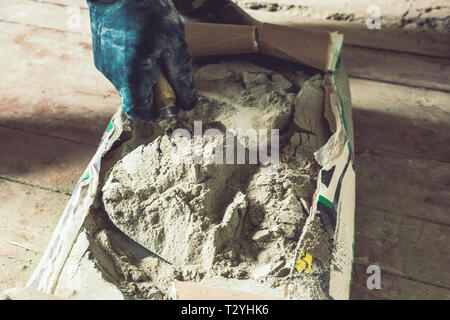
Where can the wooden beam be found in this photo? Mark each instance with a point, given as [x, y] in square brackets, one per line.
[310, 47]
[214, 39]
[357, 34]
[203, 38]
[388, 8]
[27, 294]
[390, 55]
[50, 84]
[403, 184]
[29, 215]
[67, 3]
[393, 287]
[400, 68]
[403, 245]
[47, 15]
[39, 160]
[403, 119]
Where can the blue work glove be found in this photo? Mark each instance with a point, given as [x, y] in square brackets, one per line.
[133, 41]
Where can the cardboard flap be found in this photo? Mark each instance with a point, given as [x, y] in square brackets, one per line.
[317, 49]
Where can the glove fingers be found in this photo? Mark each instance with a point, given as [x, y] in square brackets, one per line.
[176, 61]
[176, 65]
[137, 93]
[133, 41]
[126, 51]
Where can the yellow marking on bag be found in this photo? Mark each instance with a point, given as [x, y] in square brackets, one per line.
[303, 264]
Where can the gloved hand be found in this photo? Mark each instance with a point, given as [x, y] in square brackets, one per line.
[133, 41]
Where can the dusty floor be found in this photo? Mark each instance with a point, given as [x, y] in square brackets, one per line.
[50, 132]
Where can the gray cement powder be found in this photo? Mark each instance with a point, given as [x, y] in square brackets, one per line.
[214, 222]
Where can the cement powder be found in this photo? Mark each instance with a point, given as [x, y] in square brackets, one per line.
[213, 220]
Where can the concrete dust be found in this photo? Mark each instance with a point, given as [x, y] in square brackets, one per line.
[214, 220]
[405, 14]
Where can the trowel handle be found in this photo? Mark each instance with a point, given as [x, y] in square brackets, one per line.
[164, 98]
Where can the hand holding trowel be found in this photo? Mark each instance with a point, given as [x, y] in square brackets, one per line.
[164, 101]
[131, 50]
[174, 87]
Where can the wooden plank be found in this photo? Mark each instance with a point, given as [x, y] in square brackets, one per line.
[357, 34]
[314, 48]
[43, 161]
[28, 216]
[393, 63]
[46, 15]
[388, 8]
[67, 3]
[403, 245]
[393, 287]
[28, 294]
[401, 68]
[363, 63]
[396, 8]
[403, 184]
[220, 38]
[214, 39]
[203, 39]
[401, 119]
[50, 84]
[428, 43]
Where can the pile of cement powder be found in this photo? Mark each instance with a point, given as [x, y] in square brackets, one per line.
[213, 220]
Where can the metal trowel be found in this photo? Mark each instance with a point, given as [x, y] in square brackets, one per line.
[166, 113]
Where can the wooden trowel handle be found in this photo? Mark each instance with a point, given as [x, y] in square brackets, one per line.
[164, 98]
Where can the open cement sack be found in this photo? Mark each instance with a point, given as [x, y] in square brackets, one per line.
[255, 194]
[281, 228]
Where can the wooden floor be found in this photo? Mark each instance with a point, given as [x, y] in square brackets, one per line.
[54, 107]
